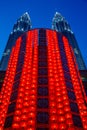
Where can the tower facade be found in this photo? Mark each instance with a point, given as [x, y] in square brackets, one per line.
[23, 24]
[42, 89]
[61, 25]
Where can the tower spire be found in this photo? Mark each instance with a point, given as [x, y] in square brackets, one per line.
[22, 25]
[60, 24]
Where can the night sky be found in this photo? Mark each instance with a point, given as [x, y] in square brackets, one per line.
[41, 13]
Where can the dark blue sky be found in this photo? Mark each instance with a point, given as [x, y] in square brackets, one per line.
[41, 13]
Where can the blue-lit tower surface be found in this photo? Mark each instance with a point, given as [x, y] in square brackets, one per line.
[60, 24]
[22, 25]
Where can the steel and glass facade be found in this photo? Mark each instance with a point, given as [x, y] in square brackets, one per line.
[83, 74]
[22, 25]
[42, 89]
[2, 75]
[60, 24]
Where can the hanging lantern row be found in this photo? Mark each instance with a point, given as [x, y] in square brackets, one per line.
[8, 82]
[76, 83]
[25, 112]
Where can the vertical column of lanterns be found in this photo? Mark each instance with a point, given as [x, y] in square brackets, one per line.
[58, 99]
[64, 112]
[82, 87]
[8, 82]
[52, 104]
[76, 84]
[34, 74]
[53, 121]
[25, 112]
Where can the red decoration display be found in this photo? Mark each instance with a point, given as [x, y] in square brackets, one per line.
[60, 114]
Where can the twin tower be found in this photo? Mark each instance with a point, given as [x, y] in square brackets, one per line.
[42, 88]
[59, 24]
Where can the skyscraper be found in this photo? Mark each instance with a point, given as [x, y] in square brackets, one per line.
[23, 24]
[2, 75]
[61, 25]
[42, 89]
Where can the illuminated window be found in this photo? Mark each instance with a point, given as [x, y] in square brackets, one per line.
[84, 78]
